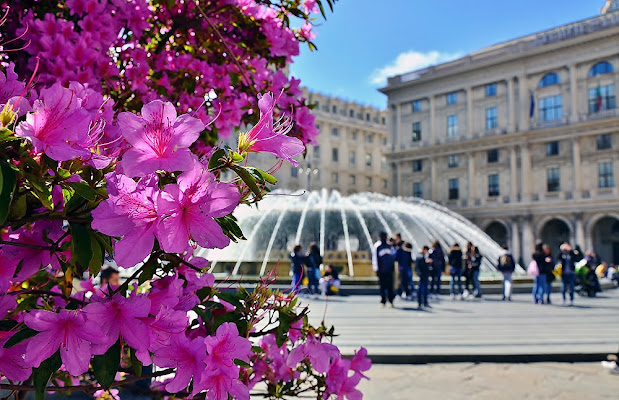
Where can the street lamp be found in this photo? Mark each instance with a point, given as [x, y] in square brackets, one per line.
[309, 172]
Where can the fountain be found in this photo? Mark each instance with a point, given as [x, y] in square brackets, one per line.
[345, 229]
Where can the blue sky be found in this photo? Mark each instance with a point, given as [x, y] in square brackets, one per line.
[365, 40]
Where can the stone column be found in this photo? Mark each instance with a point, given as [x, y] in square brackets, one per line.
[515, 245]
[579, 231]
[433, 179]
[576, 170]
[472, 181]
[525, 103]
[469, 112]
[528, 238]
[394, 129]
[526, 177]
[399, 137]
[513, 175]
[433, 124]
[511, 106]
[573, 69]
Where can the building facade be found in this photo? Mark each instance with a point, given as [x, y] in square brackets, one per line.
[521, 137]
[350, 155]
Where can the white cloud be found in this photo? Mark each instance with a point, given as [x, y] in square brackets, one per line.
[409, 61]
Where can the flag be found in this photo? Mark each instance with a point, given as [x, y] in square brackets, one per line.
[598, 99]
[532, 108]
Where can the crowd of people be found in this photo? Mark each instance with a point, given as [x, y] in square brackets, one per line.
[306, 269]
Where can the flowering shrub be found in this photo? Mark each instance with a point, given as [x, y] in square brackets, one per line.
[106, 152]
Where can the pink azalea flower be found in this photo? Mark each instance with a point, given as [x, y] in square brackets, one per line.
[119, 316]
[226, 346]
[187, 356]
[159, 138]
[7, 303]
[165, 292]
[190, 208]
[129, 211]
[266, 136]
[360, 362]
[70, 331]
[220, 384]
[12, 364]
[340, 384]
[56, 122]
[166, 324]
[319, 354]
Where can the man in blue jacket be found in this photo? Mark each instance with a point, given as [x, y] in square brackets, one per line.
[383, 264]
[423, 272]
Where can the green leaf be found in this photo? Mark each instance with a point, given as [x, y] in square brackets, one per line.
[98, 251]
[20, 337]
[42, 374]
[8, 180]
[81, 243]
[19, 209]
[262, 176]
[282, 329]
[236, 157]
[105, 366]
[84, 190]
[218, 159]
[149, 270]
[7, 325]
[135, 363]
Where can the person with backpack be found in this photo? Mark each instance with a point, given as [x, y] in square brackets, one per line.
[455, 270]
[436, 258]
[423, 272]
[539, 280]
[383, 264]
[297, 260]
[314, 259]
[404, 259]
[507, 265]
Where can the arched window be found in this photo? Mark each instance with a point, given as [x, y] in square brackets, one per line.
[549, 79]
[603, 67]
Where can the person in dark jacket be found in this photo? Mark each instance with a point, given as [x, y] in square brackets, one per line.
[436, 258]
[455, 270]
[297, 259]
[467, 273]
[403, 256]
[539, 282]
[383, 264]
[423, 272]
[567, 260]
[314, 259]
[475, 266]
[507, 265]
[550, 266]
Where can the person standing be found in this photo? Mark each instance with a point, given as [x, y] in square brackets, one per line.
[383, 264]
[507, 265]
[568, 271]
[475, 265]
[403, 256]
[539, 282]
[468, 272]
[297, 260]
[423, 272]
[436, 258]
[314, 259]
[455, 270]
[550, 266]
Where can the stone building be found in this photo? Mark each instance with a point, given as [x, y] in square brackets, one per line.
[350, 155]
[521, 137]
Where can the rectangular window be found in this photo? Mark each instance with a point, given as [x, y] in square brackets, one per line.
[351, 113]
[553, 179]
[492, 120]
[383, 121]
[491, 90]
[335, 155]
[367, 117]
[453, 161]
[383, 163]
[353, 180]
[317, 152]
[493, 156]
[416, 105]
[335, 177]
[354, 135]
[493, 185]
[416, 131]
[417, 165]
[383, 141]
[452, 98]
[294, 172]
[368, 180]
[452, 125]
[550, 108]
[369, 138]
[368, 159]
[605, 173]
[335, 132]
[602, 98]
[552, 148]
[418, 189]
[604, 142]
[385, 184]
[352, 158]
[454, 192]
[334, 109]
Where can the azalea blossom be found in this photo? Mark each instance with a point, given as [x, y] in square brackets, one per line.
[339, 382]
[69, 330]
[226, 346]
[12, 364]
[319, 354]
[187, 356]
[159, 138]
[269, 137]
[220, 384]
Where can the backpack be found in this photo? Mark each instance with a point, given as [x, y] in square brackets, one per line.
[533, 269]
[507, 263]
